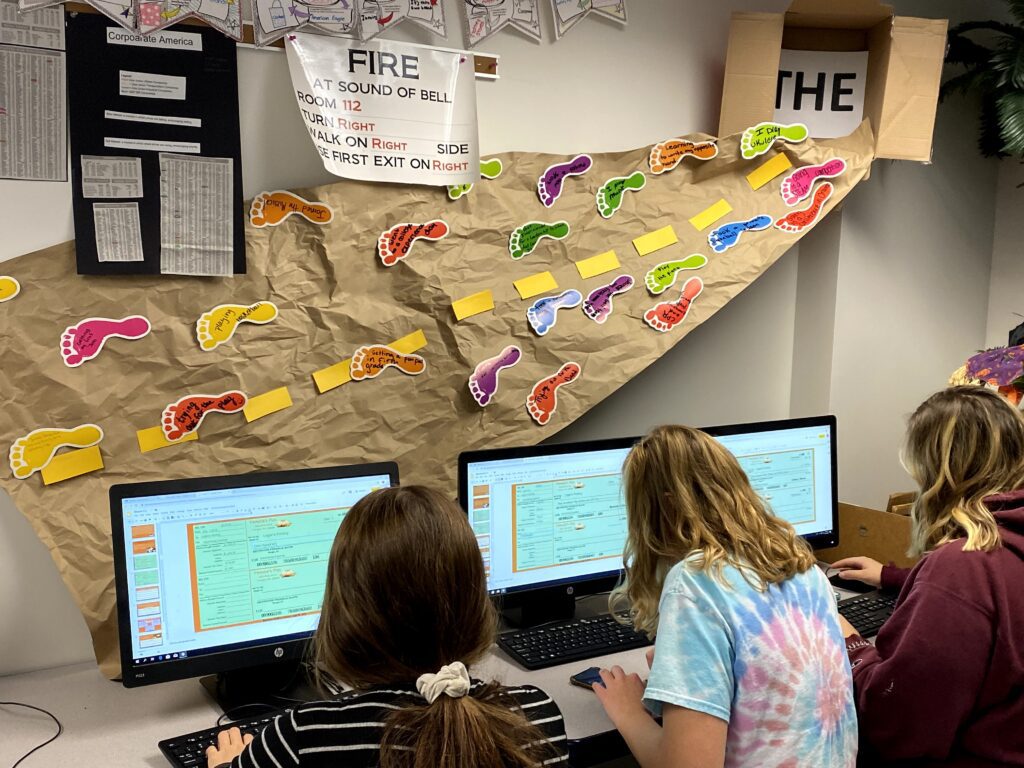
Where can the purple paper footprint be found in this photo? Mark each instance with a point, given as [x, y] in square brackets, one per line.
[549, 186]
[483, 383]
[598, 306]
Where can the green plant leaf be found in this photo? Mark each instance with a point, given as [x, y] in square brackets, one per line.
[990, 142]
[992, 26]
[1010, 110]
[964, 51]
[1017, 9]
[962, 83]
[1008, 62]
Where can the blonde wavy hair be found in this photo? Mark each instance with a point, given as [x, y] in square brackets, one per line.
[963, 444]
[686, 494]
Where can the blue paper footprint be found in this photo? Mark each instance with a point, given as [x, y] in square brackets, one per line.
[544, 313]
[726, 236]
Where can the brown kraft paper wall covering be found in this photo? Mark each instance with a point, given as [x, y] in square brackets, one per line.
[334, 295]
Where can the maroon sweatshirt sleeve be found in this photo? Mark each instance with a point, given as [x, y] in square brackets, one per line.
[894, 577]
[917, 685]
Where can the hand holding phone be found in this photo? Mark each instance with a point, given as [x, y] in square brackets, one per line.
[588, 678]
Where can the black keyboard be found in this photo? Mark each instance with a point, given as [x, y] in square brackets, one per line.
[868, 612]
[189, 751]
[554, 644]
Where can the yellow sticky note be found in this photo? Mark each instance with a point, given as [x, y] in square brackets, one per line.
[473, 305]
[655, 241]
[598, 265]
[341, 373]
[535, 284]
[269, 402]
[64, 466]
[707, 217]
[768, 171]
[153, 438]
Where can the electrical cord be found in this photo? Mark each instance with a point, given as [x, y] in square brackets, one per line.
[60, 729]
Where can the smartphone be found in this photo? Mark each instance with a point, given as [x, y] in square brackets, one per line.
[587, 678]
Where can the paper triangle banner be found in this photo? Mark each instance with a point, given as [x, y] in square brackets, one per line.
[273, 19]
[481, 20]
[376, 16]
[120, 11]
[569, 13]
[223, 15]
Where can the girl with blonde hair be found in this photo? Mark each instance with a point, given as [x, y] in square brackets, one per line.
[405, 612]
[944, 681]
[749, 667]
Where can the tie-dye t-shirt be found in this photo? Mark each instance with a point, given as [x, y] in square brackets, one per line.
[772, 664]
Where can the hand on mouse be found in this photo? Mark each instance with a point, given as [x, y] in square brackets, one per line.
[860, 569]
[230, 744]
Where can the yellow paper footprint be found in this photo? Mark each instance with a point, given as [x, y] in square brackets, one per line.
[9, 288]
[36, 449]
[219, 324]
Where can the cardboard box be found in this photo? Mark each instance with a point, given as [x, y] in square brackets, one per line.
[885, 536]
[905, 58]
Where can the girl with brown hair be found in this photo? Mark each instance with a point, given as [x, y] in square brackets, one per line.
[749, 667]
[405, 612]
[944, 681]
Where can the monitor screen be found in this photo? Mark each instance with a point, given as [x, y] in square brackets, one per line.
[235, 565]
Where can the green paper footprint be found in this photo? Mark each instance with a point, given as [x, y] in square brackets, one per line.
[663, 276]
[524, 239]
[609, 196]
[489, 169]
[759, 139]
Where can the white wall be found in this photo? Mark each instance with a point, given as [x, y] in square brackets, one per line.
[603, 88]
[1006, 295]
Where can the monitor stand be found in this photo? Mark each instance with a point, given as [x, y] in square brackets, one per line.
[540, 607]
[275, 685]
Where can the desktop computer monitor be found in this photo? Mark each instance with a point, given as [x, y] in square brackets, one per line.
[221, 573]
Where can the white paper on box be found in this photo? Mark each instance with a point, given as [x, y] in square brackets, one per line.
[196, 216]
[111, 177]
[33, 124]
[118, 232]
[148, 85]
[823, 90]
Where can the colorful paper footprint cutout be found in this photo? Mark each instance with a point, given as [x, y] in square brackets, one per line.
[483, 382]
[668, 314]
[9, 288]
[396, 243]
[758, 139]
[798, 221]
[612, 192]
[35, 450]
[544, 313]
[269, 209]
[84, 341]
[525, 239]
[663, 276]
[666, 155]
[542, 402]
[598, 306]
[489, 169]
[217, 326]
[726, 236]
[183, 417]
[549, 185]
[798, 185]
[369, 362]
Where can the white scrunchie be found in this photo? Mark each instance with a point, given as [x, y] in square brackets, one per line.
[451, 679]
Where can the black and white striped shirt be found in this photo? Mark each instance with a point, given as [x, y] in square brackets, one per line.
[348, 732]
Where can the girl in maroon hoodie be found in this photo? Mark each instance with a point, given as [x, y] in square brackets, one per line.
[944, 683]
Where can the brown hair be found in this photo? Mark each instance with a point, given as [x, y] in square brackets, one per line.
[963, 444]
[406, 594]
[686, 494]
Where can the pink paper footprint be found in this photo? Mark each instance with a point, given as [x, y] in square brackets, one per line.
[797, 186]
[483, 383]
[598, 306]
[549, 186]
[85, 341]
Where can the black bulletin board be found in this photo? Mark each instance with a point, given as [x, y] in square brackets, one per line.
[93, 78]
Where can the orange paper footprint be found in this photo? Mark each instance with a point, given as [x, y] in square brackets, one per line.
[370, 362]
[269, 209]
[668, 314]
[666, 155]
[798, 221]
[396, 243]
[543, 400]
[183, 417]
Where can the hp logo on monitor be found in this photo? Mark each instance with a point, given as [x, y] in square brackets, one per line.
[278, 653]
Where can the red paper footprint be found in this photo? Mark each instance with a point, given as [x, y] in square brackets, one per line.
[543, 400]
[668, 314]
[185, 416]
[396, 243]
[798, 221]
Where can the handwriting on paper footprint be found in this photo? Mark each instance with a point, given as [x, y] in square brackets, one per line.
[218, 325]
[668, 314]
[549, 186]
[544, 313]
[269, 209]
[598, 306]
[370, 361]
[34, 451]
[663, 276]
[726, 236]
[798, 221]
[489, 169]
[483, 382]
[609, 196]
[85, 341]
[184, 417]
[524, 240]
[396, 243]
[666, 155]
[759, 139]
[455, 191]
[543, 399]
[9, 288]
[797, 186]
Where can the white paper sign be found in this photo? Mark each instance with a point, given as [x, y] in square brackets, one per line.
[147, 85]
[387, 111]
[118, 232]
[822, 89]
